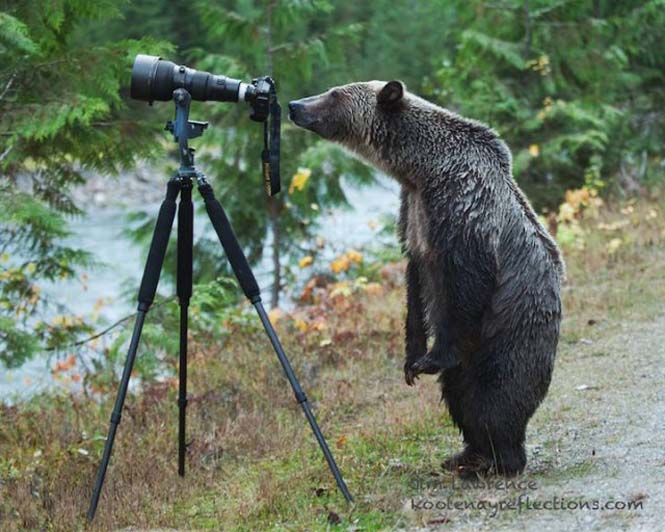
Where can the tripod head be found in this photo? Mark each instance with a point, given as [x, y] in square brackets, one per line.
[184, 129]
[154, 79]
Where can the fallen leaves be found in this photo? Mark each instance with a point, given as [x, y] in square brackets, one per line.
[65, 365]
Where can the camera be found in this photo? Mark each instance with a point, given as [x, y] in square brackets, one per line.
[155, 79]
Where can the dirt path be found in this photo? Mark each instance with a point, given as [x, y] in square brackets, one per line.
[599, 436]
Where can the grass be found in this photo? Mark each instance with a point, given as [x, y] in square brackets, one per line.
[253, 463]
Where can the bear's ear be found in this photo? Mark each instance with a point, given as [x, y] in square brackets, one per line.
[391, 94]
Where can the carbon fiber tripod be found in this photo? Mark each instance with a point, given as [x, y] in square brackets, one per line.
[184, 129]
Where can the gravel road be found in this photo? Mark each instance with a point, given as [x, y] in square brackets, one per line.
[598, 439]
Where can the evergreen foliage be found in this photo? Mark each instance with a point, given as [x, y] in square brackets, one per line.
[574, 86]
[62, 113]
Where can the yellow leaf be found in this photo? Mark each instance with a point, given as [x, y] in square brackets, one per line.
[566, 212]
[534, 150]
[340, 264]
[275, 314]
[354, 256]
[306, 261]
[301, 325]
[30, 268]
[299, 179]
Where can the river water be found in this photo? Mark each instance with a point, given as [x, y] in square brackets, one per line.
[116, 281]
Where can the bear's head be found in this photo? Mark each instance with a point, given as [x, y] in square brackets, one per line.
[373, 119]
[348, 113]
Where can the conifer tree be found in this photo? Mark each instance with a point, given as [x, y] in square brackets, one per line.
[61, 113]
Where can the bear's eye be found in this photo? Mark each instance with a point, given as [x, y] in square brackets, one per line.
[335, 94]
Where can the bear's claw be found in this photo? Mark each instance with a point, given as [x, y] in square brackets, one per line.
[428, 364]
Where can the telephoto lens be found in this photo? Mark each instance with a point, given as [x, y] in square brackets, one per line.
[155, 79]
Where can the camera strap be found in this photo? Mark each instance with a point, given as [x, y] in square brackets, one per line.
[271, 141]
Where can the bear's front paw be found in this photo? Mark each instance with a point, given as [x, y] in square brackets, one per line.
[410, 375]
[429, 364]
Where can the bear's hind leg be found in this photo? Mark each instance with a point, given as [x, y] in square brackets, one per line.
[497, 438]
[454, 384]
[468, 459]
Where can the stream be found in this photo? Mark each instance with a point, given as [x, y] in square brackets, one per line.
[115, 283]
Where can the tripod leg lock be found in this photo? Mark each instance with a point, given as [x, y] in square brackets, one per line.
[301, 397]
[182, 402]
[115, 417]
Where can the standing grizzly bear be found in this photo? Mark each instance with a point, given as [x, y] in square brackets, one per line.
[483, 275]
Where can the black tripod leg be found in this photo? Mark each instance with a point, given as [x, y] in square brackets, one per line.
[301, 398]
[184, 289]
[153, 268]
[251, 289]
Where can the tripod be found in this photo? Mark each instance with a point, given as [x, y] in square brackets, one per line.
[184, 129]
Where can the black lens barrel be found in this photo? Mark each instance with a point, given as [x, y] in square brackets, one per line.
[155, 79]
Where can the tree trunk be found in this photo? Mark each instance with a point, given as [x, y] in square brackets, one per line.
[274, 204]
[527, 30]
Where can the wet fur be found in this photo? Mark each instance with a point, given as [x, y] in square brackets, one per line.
[483, 275]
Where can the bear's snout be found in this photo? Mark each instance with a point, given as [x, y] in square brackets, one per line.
[304, 112]
[298, 114]
[295, 109]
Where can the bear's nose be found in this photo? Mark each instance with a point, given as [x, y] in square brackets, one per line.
[295, 106]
